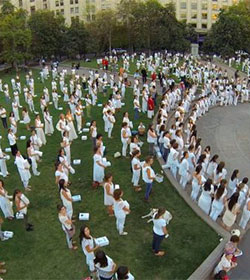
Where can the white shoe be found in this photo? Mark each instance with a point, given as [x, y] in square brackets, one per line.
[37, 174]
[124, 233]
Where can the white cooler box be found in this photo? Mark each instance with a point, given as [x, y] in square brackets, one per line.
[84, 137]
[159, 178]
[8, 234]
[76, 198]
[19, 216]
[83, 216]
[102, 241]
[76, 161]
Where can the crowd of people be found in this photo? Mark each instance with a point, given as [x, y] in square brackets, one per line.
[179, 146]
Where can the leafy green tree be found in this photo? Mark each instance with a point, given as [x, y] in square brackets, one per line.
[231, 32]
[15, 37]
[76, 38]
[48, 34]
[7, 8]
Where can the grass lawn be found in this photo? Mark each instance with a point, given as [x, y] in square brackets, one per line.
[43, 253]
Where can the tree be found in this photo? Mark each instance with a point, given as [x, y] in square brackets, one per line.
[7, 8]
[77, 37]
[15, 37]
[231, 32]
[48, 34]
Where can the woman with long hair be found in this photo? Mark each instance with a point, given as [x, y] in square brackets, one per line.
[205, 198]
[233, 182]
[232, 210]
[65, 195]
[5, 203]
[196, 182]
[105, 265]
[108, 193]
[183, 170]
[136, 169]
[212, 165]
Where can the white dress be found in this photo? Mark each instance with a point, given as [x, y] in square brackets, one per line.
[98, 171]
[40, 132]
[49, 129]
[232, 185]
[72, 132]
[67, 149]
[26, 118]
[108, 199]
[5, 204]
[210, 168]
[136, 173]
[205, 200]
[66, 203]
[89, 256]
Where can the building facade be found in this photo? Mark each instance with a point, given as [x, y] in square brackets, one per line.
[200, 13]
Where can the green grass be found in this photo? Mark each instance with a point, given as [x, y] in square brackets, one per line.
[43, 254]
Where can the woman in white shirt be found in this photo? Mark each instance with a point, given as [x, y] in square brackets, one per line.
[22, 203]
[93, 133]
[212, 165]
[49, 129]
[123, 273]
[13, 124]
[233, 183]
[205, 199]
[66, 143]
[32, 155]
[3, 166]
[105, 266]
[60, 173]
[5, 203]
[134, 145]
[67, 226]
[159, 231]
[39, 129]
[172, 161]
[151, 139]
[26, 118]
[136, 169]
[125, 137]
[219, 173]
[148, 176]
[183, 170]
[88, 247]
[99, 167]
[121, 209]
[111, 122]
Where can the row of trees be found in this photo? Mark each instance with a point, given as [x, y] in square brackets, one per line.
[231, 32]
[135, 25]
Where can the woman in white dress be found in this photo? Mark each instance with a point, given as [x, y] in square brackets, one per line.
[66, 145]
[72, 131]
[219, 173]
[15, 110]
[13, 124]
[66, 197]
[134, 145]
[212, 165]
[99, 167]
[108, 193]
[202, 161]
[62, 125]
[39, 129]
[196, 182]
[127, 120]
[110, 122]
[151, 139]
[220, 198]
[125, 137]
[105, 266]
[32, 154]
[144, 100]
[49, 129]
[121, 209]
[233, 183]
[88, 246]
[205, 199]
[198, 149]
[93, 132]
[191, 159]
[136, 169]
[60, 173]
[172, 160]
[183, 170]
[5, 203]
[26, 118]
[43, 103]
[78, 114]
[245, 213]
[232, 210]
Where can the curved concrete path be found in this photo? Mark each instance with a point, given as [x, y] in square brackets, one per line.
[227, 131]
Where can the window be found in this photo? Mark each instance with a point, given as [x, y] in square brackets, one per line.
[88, 17]
[20, 3]
[76, 1]
[62, 11]
[214, 7]
[194, 16]
[194, 25]
[194, 5]
[57, 3]
[71, 2]
[61, 3]
[183, 5]
[45, 6]
[214, 16]
[32, 9]
[72, 10]
[57, 12]
[76, 10]
[204, 15]
[183, 16]
[204, 5]
[204, 26]
[32, 1]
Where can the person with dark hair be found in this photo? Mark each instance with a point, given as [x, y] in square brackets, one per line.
[108, 193]
[232, 210]
[66, 197]
[121, 209]
[105, 266]
[151, 139]
[22, 203]
[123, 273]
[212, 165]
[196, 182]
[219, 173]
[99, 167]
[12, 141]
[220, 198]
[221, 275]
[232, 247]
[32, 155]
[88, 247]
[136, 169]
[205, 199]
[159, 231]
[23, 168]
[225, 263]
[67, 226]
[5, 203]
[148, 176]
[233, 182]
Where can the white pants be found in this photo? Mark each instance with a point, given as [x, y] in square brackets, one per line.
[69, 240]
[244, 219]
[120, 222]
[55, 103]
[79, 123]
[124, 148]
[110, 128]
[184, 180]
[3, 167]
[215, 211]
[34, 166]
[136, 178]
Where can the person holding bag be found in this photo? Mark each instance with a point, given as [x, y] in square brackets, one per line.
[67, 226]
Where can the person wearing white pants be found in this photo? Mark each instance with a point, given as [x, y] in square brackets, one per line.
[111, 122]
[219, 201]
[245, 214]
[120, 209]
[3, 166]
[136, 168]
[32, 154]
[183, 170]
[125, 137]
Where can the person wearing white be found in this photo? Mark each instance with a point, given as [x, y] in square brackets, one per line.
[13, 124]
[32, 154]
[49, 129]
[26, 118]
[39, 130]
[245, 214]
[3, 167]
[125, 137]
[88, 248]
[124, 273]
[72, 131]
[99, 166]
[148, 176]
[105, 266]
[61, 173]
[121, 209]
[108, 194]
[5, 203]
[65, 195]
[205, 198]
[66, 145]
[196, 182]
[183, 170]
[23, 169]
[78, 114]
[172, 160]
[225, 263]
[110, 122]
[151, 139]
[136, 168]
[219, 201]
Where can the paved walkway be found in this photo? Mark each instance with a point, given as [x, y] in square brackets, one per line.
[227, 131]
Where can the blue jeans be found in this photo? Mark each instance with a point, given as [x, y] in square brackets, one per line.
[157, 239]
[102, 278]
[165, 154]
[148, 190]
[136, 116]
